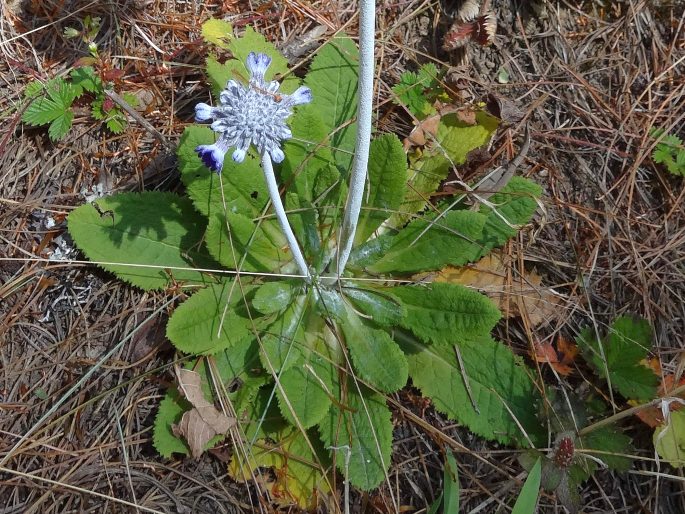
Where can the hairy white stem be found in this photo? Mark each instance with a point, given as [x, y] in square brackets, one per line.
[367, 24]
[272, 186]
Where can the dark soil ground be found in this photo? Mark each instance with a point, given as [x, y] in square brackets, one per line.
[79, 390]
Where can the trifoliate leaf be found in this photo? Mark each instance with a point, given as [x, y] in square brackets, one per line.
[446, 313]
[365, 426]
[619, 353]
[96, 108]
[134, 231]
[218, 32]
[33, 89]
[333, 79]
[208, 322]
[669, 439]
[429, 243]
[56, 102]
[662, 154]
[85, 79]
[116, 121]
[53, 107]
[417, 91]
[60, 125]
[376, 358]
[492, 393]
[387, 177]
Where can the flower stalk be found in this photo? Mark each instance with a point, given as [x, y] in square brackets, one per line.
[255, 114]
[367, 23]
[275, 196]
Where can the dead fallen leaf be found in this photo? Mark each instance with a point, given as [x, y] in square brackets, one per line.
[426, 130]
[515, 294]
[652, 416]
[559, 358]
[545, 352]
[418, 136]
[204, 421]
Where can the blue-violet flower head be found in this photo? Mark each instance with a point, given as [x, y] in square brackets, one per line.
[249, 114]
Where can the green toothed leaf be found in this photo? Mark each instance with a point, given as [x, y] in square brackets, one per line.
[365, 426]
[332, 78]
[137, 235]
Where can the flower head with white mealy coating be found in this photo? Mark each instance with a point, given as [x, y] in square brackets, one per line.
[253, 114]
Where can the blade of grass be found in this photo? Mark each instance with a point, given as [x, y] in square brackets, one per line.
[528, 499]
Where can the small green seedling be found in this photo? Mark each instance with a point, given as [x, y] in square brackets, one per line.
[669, 151]
[52, 102]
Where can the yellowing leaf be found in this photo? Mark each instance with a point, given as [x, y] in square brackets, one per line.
[204, 421]
[298, 478]
[218, 32]
[515, 294]
[669, 440]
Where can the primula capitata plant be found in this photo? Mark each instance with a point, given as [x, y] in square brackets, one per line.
[293, 344]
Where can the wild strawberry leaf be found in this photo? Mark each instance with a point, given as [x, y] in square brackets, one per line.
[620, 354]
[85, 79]
[416, 91]
[54, 107]
[57, 100]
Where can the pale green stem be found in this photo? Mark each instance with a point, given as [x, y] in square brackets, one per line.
[275, 196]
[367, 24]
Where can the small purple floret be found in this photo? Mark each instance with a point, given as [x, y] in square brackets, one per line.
[211, 156]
